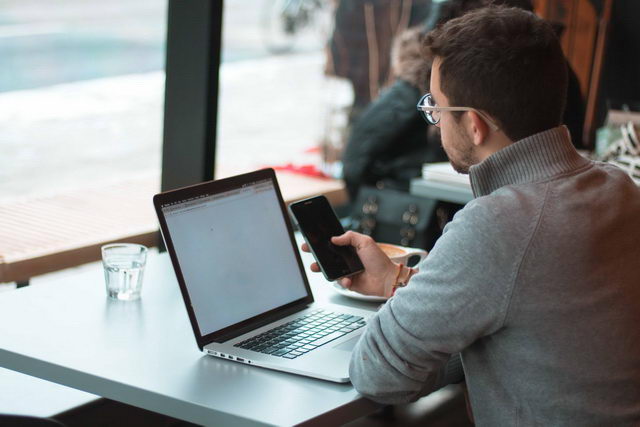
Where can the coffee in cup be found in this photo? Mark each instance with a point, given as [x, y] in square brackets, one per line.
[402, 254]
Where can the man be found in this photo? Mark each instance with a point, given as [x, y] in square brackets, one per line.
[535, 282]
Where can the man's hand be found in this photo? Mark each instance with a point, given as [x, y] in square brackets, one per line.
[379, 270]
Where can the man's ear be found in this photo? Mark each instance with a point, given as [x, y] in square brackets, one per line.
[479, 128]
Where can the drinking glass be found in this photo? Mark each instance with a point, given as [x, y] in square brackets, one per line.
[123, 269]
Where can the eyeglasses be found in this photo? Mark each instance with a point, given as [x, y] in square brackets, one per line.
[431, 112]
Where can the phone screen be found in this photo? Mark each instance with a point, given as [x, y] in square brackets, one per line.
[318, 223]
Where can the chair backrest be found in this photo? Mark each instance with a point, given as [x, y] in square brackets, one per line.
[584, 42]
[400, 218]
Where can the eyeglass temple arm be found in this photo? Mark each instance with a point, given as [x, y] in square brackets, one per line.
[490, 122]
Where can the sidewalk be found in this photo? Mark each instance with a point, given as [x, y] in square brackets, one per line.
[270, 111]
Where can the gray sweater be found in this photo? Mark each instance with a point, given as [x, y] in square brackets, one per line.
[536, 282]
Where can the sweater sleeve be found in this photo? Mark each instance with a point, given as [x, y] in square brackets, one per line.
[460, 295]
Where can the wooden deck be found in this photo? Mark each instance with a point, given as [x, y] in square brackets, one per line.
[44, 234]
[63, 230]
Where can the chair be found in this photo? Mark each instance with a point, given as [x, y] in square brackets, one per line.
[584, 43]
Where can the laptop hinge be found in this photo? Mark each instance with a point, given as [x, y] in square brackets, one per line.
[255, 325]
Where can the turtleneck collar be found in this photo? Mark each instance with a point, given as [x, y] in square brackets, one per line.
[535, 158]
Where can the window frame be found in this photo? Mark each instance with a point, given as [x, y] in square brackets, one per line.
[193, 53]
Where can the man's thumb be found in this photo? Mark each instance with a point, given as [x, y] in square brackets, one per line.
[343, 239]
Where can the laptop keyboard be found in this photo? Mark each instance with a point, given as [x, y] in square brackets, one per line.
[304, 334]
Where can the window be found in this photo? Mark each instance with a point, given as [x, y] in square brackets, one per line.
[296, 73]
[81, 93]
[81, 109]
[276, 104]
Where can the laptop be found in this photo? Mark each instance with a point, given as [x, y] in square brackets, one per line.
[243, 282]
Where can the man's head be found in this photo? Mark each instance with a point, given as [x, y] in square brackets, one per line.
[504, 62]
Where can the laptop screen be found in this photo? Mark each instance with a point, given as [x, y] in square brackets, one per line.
[235, 254]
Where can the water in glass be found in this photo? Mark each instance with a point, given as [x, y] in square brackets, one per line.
[124, 279]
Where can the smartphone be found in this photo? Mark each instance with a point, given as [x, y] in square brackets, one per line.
[318, 223]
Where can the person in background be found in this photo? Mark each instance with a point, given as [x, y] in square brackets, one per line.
[389, 142]
[534, 282]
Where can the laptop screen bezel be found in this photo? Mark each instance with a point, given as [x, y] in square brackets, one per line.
[215, 187]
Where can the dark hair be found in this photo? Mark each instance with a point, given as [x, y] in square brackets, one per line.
[506, 62]
[455, 8]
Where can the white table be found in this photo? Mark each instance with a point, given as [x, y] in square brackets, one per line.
[441, 191]
[144, 354]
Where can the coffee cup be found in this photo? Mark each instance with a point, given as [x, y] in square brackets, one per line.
[402, 254]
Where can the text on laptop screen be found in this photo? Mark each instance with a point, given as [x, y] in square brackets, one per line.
[235, 255]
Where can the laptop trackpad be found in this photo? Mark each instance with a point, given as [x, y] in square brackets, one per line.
[347, 345]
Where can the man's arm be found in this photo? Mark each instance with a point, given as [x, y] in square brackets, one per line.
[460, 295]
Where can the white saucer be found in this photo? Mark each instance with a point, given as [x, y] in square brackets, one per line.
[355, 295]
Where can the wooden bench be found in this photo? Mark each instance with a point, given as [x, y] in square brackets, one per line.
[44, 234]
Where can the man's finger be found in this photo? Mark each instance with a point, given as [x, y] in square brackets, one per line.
[351, 238]
[315, 268]
[345, 283]
[345, 239]
[305, 247]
